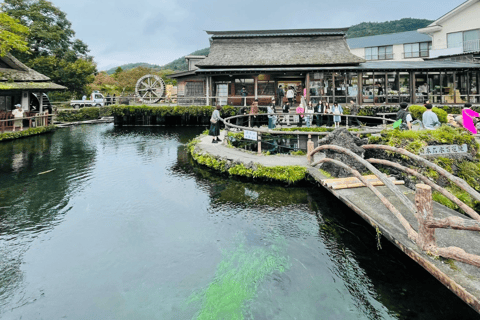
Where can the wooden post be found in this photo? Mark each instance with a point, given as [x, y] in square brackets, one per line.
[307, 86]
[249, 121]
[310, 148]
[208, 90]
[255, 80]
[360, 88]
[454, 87]
[259, 143]
[41, 102]
[424, 204]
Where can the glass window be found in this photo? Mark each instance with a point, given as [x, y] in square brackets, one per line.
[411, 50]
[194, 89]
[424, 47]
[266, 88]
[454, 40]
[471, 40]
[249, 86]
[371, 53]
[385, 53]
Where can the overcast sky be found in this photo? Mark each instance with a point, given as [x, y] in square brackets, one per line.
[159, 31]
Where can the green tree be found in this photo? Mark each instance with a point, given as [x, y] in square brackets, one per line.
[55, 51]
[12, 35]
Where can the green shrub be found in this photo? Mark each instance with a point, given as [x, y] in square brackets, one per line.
[26, 133]
[227, 111]
[417, 112]
[89, 113]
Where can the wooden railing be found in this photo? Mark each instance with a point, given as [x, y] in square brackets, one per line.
[423, 207]
[42, 120]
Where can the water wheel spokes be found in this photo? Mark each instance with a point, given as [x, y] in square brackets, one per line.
[150, 89]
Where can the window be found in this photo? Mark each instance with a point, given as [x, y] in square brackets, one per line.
[416, 50]
[454, 40]
[371, 53]
[471, 40]
[379, 53]
[194, 89]
[247, 83]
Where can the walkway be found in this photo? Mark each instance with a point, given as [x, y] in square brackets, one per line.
[463, 279]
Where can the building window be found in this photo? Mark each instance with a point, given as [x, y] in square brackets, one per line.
[379, 53]
[469, 40]
[416, 50]
[194, 89]
[247, 83]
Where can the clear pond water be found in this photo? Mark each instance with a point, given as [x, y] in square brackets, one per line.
[126, 226]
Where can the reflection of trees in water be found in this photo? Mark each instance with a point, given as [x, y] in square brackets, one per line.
[386, 275]
[32, 203]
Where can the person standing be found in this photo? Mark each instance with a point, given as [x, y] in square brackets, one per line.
[300, 112]
[290, 95]
[272, 118]
[337, 111]
[244, 94]
[280, 95]
[309, 114]
[286, 110]
[18, 113]
[405, 116]
[215, 125]
[254, 113]
[320, 108]
[429, 118]
[353, 112]
[328, 112]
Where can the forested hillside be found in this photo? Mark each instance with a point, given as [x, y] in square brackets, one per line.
[359, 30]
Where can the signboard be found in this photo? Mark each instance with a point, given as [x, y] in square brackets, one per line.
[444, 149]
[264, 77]
[250, 135]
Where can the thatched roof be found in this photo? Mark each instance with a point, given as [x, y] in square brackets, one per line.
[306, 47]
[13, 70]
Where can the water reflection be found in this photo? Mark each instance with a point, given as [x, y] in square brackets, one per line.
[128, 227]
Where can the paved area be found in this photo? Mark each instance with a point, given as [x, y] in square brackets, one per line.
[221, 150]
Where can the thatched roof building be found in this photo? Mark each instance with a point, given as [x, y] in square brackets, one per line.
[20, 84]
[279, 48]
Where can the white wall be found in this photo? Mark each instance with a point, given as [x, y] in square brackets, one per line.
[467, 19]
[25, 100]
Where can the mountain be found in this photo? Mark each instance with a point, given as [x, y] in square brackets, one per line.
[134, 65]
[356, 31]
[375, 28]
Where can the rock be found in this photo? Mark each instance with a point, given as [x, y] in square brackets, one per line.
[343, 138]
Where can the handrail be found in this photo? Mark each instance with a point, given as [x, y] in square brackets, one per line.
[472, 213]
[26, 118]
[412, 234]
[458, 181]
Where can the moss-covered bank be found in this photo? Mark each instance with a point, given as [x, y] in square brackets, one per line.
[83, 114]
[26, 133]
[466, 166]
[288, 174]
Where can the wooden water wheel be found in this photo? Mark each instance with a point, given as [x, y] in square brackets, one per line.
[150, 89]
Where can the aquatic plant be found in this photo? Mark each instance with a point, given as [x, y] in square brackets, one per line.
[238, 277]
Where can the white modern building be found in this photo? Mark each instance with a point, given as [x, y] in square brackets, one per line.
[410, 46]
[456, 34]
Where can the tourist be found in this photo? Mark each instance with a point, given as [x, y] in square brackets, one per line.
[286, 109]
[272, 118]
[254, 113]
[300, 112]
[430, 119]
[468, 118]
[405, 116]
[280, 95]
[353, 112]
[337, 111]
[309, 114]
[320, 108]
[215, 125]
[240, 121]
[244, 94]
[378, 97]
[290, 95]
[18, 113]
[328, 112]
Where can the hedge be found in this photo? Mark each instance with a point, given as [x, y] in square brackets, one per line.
[417, 112]
[88, 113]
[26, 133]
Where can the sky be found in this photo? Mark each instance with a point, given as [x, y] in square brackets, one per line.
[160, 31]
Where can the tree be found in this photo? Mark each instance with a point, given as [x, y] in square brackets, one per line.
[55, 51]
[12, 35]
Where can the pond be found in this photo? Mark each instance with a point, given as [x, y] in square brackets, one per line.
[100, 222]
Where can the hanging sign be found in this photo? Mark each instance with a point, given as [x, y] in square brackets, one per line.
[250, 135]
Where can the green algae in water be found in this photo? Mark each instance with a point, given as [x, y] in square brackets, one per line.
[238, 277]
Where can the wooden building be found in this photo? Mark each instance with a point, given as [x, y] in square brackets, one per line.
[319, 64]
[22, 85]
